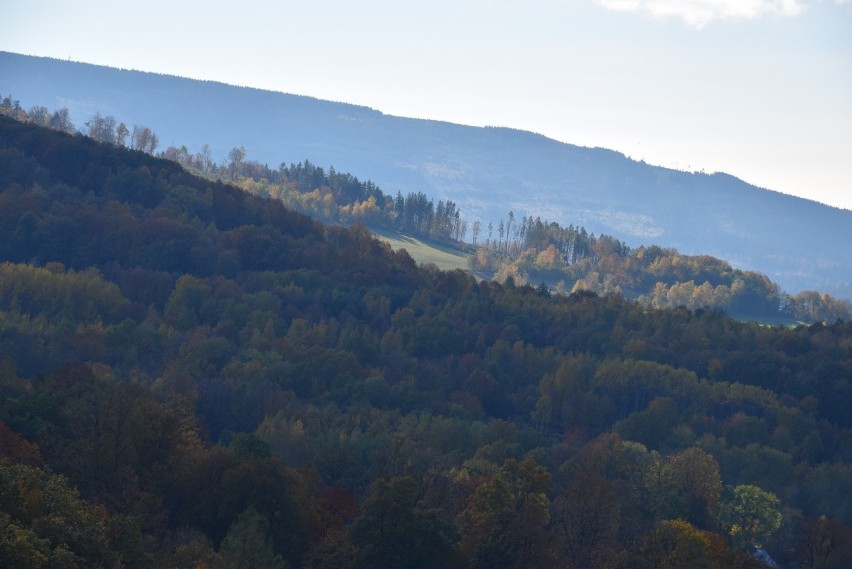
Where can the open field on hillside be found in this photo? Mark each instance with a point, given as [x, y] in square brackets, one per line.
[445, 256]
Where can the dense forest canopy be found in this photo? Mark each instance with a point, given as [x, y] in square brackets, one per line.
[192, 376]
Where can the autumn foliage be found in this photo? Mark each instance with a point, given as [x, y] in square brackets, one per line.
[191, 376]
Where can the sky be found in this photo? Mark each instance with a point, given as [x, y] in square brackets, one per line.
[761, 89]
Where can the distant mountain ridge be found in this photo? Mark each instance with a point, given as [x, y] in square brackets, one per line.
[486, 171]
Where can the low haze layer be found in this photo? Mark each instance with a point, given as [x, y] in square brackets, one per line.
[761, 89]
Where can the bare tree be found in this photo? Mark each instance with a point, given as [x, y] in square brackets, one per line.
[236, 157]
[39, 115]
[102, 128]
[477, 227]
[144, 139]
[60, 120]
[121, 133]
[205, 158]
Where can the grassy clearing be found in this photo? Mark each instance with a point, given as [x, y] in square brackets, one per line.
[767, 320]
[764, 320]
[446, 256]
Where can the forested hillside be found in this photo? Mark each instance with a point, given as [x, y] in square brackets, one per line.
[194, 377]
[526, 249]
[571, 259]
[800, 244]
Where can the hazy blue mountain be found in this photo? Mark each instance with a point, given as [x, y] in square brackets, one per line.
[486, 171]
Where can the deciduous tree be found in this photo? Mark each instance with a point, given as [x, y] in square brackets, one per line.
[750, 516]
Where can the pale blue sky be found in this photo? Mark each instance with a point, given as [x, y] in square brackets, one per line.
[761, 89]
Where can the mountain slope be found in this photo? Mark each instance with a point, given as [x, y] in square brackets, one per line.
[486, 171]
[185, 367]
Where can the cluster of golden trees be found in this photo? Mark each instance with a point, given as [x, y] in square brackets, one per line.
[570, 259]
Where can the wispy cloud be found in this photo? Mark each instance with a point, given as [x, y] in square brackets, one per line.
[698, 13]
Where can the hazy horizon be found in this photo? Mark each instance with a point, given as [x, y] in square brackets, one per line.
[759, 89]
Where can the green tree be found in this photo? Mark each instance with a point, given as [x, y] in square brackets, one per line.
[587, 516]
[395, 531]
[45, 523]
[186, 304]
[21, 547]
[507, 520]
[750, 516]
[247, 545]
[334, 551]
[684, 486]
[675, 545]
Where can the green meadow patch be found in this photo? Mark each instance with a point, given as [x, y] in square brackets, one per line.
[445, 255]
